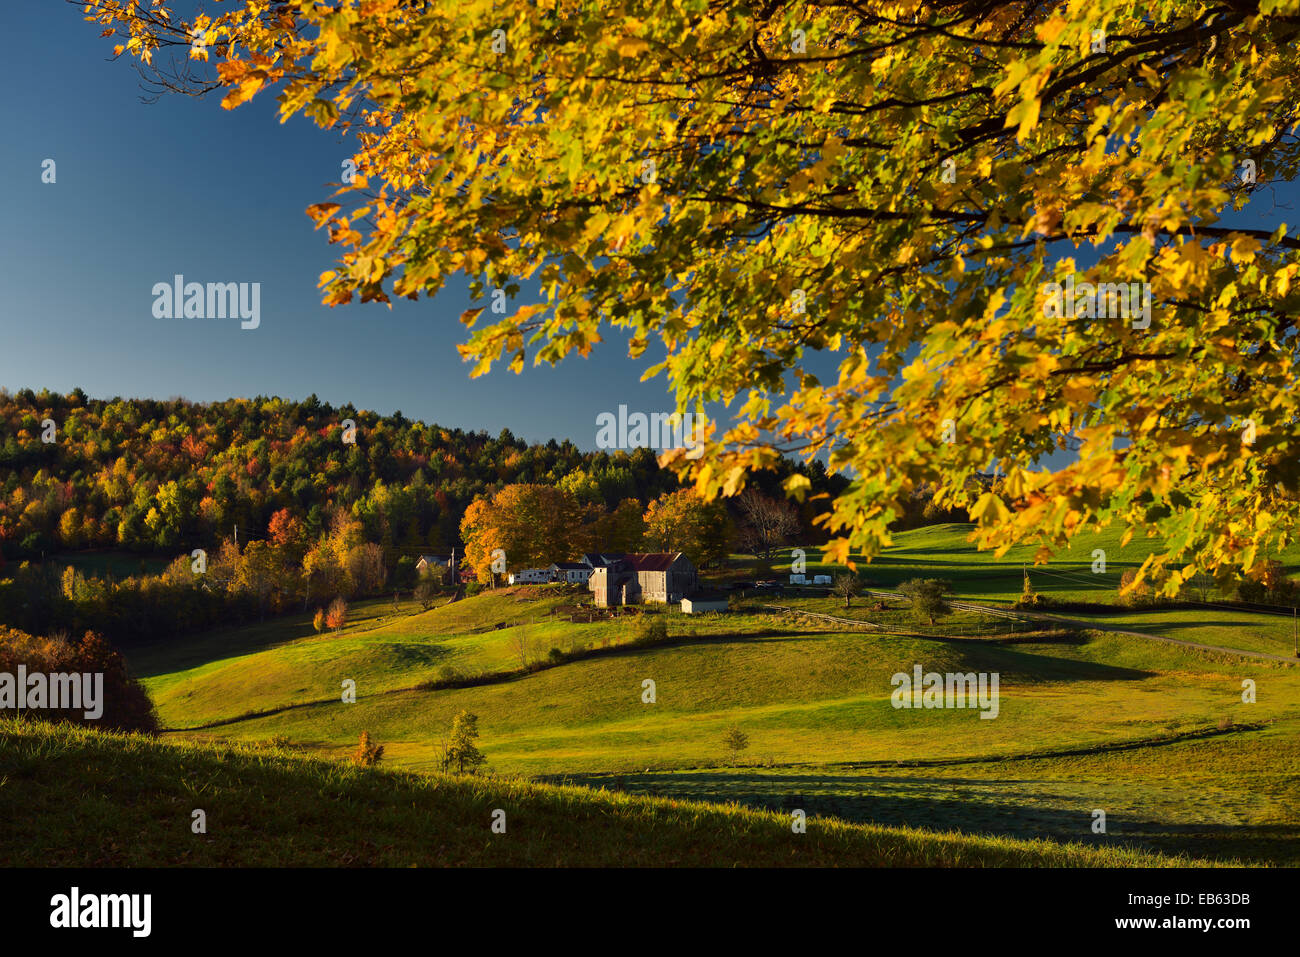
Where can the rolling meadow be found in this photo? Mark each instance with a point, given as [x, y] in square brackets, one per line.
[1091, 719]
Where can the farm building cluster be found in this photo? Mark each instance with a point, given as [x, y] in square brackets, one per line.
[618, 578]
[621, 578]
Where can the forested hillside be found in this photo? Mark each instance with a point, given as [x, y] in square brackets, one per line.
[153, 475]
[150, 475]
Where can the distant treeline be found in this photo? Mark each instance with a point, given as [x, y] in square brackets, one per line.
[170, 476]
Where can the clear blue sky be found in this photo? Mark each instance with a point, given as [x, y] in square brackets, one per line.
[182, 186]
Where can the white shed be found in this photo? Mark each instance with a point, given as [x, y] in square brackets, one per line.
[699, 604]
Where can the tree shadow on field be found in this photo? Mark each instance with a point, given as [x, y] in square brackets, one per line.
[1028, 809]
[1026, 664]
[710, 638]
[1183, 627]
[184, 651]
[410, 654]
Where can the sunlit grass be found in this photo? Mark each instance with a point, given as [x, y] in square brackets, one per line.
[270, 807]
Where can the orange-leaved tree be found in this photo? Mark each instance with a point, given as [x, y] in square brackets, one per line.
[523, 526]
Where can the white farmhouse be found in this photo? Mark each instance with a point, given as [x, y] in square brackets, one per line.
[575, 573]
[432, 564]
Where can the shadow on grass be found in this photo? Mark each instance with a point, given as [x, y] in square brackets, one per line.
[229, 641]
[1018, 808]
[1160, 627]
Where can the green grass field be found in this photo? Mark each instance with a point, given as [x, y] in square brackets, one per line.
[1156, 735]
[821, 696]
[269, 807]
[1229, 797]
[813, 700]
[942, 551]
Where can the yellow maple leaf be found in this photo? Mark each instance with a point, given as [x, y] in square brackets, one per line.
[631, 46]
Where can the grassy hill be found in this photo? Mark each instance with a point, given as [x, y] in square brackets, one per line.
[801, 694]
[1155, 735]
[269, 807]
[942, 551]
[814, 700]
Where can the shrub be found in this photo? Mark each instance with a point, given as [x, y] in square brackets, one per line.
[1132, 595]
[337, 616]
[651, 629]
[557, 657]
[927, 596]
[1267, 583]
[318, 621]
[425, 591]
[1251, 591]
[123, 702]
[367, 753]
[735, 741]
[472, 589]
[449, 674]
[1027, 594]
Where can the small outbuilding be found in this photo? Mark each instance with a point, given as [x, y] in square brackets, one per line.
[701, 602]
[530, 576]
